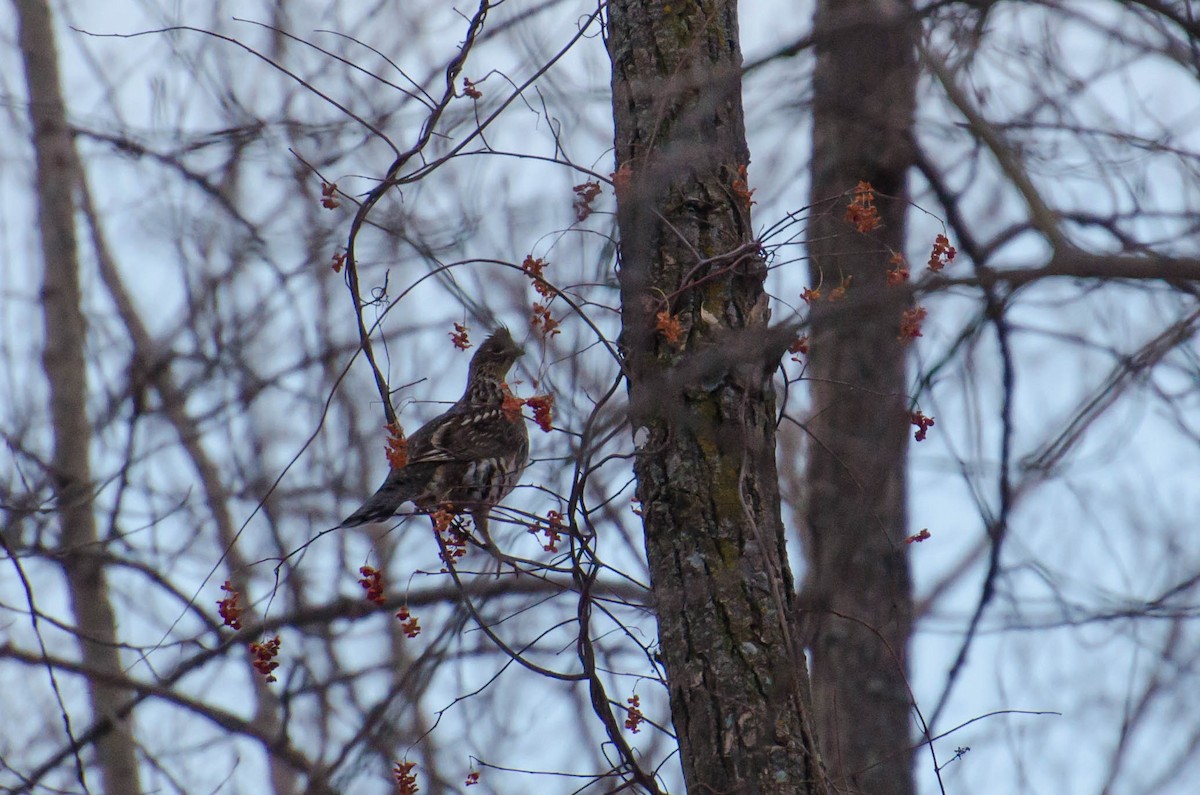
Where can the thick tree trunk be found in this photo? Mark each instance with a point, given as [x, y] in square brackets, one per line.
[857, 595]
[66, 372]
[702, 405]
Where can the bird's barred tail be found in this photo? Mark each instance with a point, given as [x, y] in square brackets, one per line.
[383, 504]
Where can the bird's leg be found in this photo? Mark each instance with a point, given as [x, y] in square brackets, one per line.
[479, 517]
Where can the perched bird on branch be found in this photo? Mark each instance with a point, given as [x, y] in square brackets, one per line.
[467, 459]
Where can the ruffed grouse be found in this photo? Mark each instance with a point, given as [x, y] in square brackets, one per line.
[470, 457]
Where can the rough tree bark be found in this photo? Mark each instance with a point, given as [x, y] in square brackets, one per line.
[66, 371]
[857, 595]
[702, 405]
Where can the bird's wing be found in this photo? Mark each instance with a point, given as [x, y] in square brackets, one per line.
[462, 435]
[425, 446]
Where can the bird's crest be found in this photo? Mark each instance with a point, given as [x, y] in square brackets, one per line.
[490, 365]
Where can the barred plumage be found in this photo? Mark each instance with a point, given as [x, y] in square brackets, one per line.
[470, 457]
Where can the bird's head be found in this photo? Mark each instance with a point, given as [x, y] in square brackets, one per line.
[496, 355]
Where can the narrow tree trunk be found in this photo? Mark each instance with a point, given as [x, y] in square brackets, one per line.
[66, 373]
[157, 373]
[857, 595]
[702, 405]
